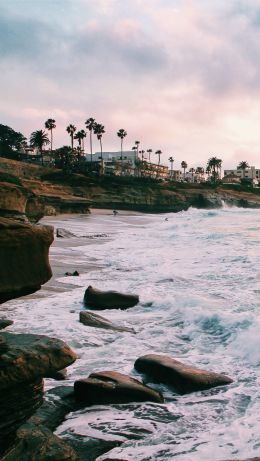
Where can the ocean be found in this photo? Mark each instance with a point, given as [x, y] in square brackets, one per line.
[198, 277]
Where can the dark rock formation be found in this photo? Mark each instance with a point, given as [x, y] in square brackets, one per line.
[113, 387]
[98, 299]
[94, 320]
[37, 443]
[60, 375]
[5, 323]
[25, 361]
[35, 208]
[32, 356]
[63, 233]
[24, 258]
[182, 377]
[58, 403]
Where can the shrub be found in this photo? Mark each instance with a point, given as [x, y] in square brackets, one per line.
[7, 177]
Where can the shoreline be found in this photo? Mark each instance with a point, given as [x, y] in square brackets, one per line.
[63, 250]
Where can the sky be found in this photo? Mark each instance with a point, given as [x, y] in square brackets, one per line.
[182, 76]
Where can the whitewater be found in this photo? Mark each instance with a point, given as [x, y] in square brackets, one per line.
[198, 277]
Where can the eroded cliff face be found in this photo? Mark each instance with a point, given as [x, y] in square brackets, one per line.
[77, 193]
[24, 256]
[25, 361]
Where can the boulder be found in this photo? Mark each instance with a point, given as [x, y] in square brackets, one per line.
[98, 299]
[182, 377]
[113, 387]
[25, 360]
[32, 357]
[63, 233]
[24, 258]
[59, 375]
[94, 320]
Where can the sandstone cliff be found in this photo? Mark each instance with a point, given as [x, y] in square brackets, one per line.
[24, 258]
[49, 192]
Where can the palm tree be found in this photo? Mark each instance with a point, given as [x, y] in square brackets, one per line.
[214, 164]
[99, 130]
[184, 165]
[90, 124]
[50, 125]
[121, 134]
[149, 151]
[142, 153]
[80, 135]
[200, 172]
[192, 171]
[137, 147]
[39, 139]
[159, 153]
[243, 166]
[208, 170]
[71, 130]
[219, 165]
[171, 160]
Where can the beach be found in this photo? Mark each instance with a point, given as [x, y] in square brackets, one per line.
[197, 275]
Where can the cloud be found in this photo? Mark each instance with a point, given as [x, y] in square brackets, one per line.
[182, 75]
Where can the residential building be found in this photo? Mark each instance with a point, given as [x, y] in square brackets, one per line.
[128, 165]
[231, 178]
[175, 175]
[248, 173]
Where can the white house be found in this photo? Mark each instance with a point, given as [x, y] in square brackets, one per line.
[249, 173]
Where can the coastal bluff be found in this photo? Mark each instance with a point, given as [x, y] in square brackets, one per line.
[49, 191]
[24, 256]
[25, 359]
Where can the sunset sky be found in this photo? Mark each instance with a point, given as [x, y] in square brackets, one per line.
[180, 76]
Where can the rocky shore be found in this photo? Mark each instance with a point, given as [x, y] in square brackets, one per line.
[27, 417]
[46, 192]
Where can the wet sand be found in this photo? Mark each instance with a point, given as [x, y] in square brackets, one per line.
[64, 256]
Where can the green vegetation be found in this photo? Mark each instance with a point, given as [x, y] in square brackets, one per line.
[6, 177]
[10, 142]
[39, 139]
[50, 125]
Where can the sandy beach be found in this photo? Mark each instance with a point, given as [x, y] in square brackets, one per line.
[64, 250]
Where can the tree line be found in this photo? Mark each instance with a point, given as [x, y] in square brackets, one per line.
[65, 157]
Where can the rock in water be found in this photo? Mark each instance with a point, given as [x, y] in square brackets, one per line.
[25, 360]
[5, 323]
[98, 299]
[183, 377]
[63, 233]
[94, 320]
[36, 442]
[113, 387]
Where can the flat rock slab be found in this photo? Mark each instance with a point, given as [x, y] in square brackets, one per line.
[98, 299]
[94, 320]
[29, 357]
[112, 387]
[182, 377]
[63, 233]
